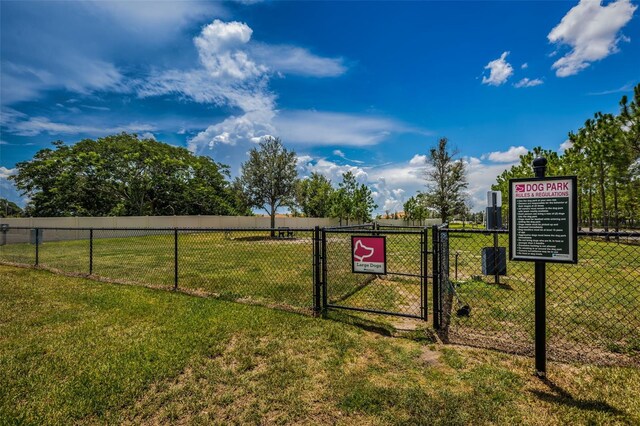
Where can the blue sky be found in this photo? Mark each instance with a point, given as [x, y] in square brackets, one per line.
[365, 87]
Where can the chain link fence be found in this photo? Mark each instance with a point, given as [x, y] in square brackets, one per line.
[402, 291]
[265, 266]
[593, 307]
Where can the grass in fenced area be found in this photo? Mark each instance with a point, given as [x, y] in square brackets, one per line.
[232, 265]
[79, 351]
[593, 308]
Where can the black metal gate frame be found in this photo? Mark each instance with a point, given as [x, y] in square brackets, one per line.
[321, 303]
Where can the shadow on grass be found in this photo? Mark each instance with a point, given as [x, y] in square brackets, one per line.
[557, 395]
[381, 328]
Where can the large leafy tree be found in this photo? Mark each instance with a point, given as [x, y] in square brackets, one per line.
[313, 195]
[269, 177]
[123, 175]
[446, 181]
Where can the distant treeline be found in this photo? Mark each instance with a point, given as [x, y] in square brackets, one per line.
[605, 155]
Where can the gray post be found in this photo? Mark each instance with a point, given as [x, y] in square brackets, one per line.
[539, 168]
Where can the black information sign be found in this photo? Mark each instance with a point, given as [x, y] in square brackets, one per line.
[542, 219]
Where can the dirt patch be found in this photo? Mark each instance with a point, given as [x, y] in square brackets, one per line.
[429, 357]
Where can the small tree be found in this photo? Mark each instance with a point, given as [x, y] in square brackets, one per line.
[9, 208]
[446, 179]
[269, 177]
[313, 195]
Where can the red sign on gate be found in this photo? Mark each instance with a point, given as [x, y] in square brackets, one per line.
[369, 255]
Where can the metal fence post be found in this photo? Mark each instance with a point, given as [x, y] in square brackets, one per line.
[316, 272]
[37, 246]
[423, 273]
[436, 277]
[90, 251]
[324, 269]
[175, 259]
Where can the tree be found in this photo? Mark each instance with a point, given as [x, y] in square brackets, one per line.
[268, 178]
[9, 208]
[122, 175]
[313, 195]
[447, 181]
[523, 170]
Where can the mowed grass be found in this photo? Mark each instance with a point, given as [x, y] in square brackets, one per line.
[80, 351]
[592, 306]
[235, 265]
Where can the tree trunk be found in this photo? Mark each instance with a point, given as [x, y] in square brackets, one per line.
[590, 208]
[273, 221]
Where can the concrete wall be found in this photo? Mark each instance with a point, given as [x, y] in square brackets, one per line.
[168, 222]
[402, 222]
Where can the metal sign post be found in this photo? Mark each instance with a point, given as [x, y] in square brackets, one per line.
[540, 168]
[542, 228]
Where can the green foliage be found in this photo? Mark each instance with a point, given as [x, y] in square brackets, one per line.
[605, 155]
[416, 209]
[313, 195]
[269, 177]
[9, 208]
[122, 175]
[352, 201]
[446, 181]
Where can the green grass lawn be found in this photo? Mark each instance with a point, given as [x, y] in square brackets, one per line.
[593, 307]
[80, 351]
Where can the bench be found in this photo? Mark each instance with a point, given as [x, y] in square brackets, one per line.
[285, 232]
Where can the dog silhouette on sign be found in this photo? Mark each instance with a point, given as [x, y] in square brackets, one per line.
[361, 252]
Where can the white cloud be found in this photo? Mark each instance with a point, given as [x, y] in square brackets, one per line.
[511, 155]
[591, 30]
[480, 177]
[235, 72]
[329, 128]
[418, 160]
[221, 51]
[249, 127]
[565, 145]
[524, 66]
[338, 153]
[499, 71]
[5, 172]
[296, 60]
[34, 126]
[526, 82]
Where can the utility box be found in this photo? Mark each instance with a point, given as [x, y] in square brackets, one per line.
[4, 228]
[35, 236]
[494, 217]
[492, 265]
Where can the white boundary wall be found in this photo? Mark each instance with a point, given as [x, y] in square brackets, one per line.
[402, 222]
[168, 222]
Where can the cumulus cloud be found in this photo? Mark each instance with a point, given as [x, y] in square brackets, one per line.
[591, 31]
[5, 172]
[524, 66]
[526, 82]
[418, 160]
[499, 71]
[511, 155]
[235, 73]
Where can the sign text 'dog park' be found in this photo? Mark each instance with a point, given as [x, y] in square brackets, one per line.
[542, 219]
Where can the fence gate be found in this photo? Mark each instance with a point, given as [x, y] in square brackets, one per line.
[401, 291]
